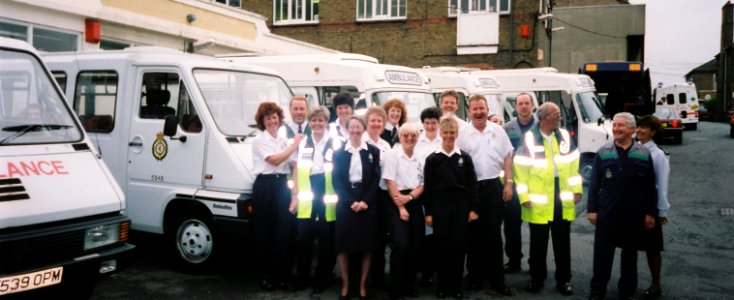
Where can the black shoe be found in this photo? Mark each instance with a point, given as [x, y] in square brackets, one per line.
[534, 287]
[440, 295]
[512, 268]
[652, 293]
[458, 295]
[267, 285]
[503, 290]
[474, 285]
[565, 289]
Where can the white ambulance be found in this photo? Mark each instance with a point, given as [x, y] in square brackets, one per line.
[581, 110]
[62, 215]
[466, 84]
[683, 98]
[322, 76]
[176, 130]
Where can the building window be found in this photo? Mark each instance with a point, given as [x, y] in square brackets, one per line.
[295, 11]
[232, 3]
[376, 10]
[471, 6]
[43, 39]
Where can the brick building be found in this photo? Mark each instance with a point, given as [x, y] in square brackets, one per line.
[704, 76]
[500, 33]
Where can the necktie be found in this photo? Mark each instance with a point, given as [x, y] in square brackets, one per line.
[394, 134]
[299, 129]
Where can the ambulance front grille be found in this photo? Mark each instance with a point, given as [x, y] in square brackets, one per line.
[12, 189]
[40, 250]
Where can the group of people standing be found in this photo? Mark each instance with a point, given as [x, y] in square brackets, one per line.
[437, 195]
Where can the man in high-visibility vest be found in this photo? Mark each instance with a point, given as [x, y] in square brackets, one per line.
[314, 203]
[548, 187]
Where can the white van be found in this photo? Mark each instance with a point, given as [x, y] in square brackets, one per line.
[322, 76]
[62, 215]
[575, 95]
[683, 98]
[467, 84]
[175, 129]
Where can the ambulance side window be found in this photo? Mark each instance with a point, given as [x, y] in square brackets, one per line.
[671, 99]
[682, 98]
[95, 97]
[158, 89]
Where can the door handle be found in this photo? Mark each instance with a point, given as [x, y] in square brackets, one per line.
[135, 144]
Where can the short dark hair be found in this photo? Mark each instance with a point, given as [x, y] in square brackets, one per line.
[266, 109]
[651, 122]
[343, 98]
[432, 112]
[451, 93]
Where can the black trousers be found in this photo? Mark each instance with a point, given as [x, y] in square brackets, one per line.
[485, 256]
[316, 228]
[560, 230]
[406, 240]
[512, 230]
[603, 260]
[377, 263]
[450, 228]
[274, 227]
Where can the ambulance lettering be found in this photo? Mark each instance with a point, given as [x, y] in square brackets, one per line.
[32, 168]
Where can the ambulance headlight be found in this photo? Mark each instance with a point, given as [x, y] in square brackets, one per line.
[101, 235]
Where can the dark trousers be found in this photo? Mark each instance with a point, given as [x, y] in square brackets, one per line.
[484, 256]
[450, 227]
[316, 228]
[512, 229]
[377, 264]
[406, 243]
[604, 258]
[274, 227]
[561, 234]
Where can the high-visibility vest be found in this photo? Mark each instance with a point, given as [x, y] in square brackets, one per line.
[534, 175]
[305, 195]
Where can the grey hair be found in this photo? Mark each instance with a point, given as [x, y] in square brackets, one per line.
[630, 118]
[544, 110]
[409, 127]
[319, 112]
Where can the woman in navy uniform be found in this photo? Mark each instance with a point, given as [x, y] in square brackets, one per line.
[274, 222]
[622, 204]
[356, 177]
[451, 201]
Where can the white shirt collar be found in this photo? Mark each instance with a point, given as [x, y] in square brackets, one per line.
[389, 126]
[453, 151]
[348, 147]
[424, 138]
[403, 154]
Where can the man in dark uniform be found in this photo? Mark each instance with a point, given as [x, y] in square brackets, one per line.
[298, 107]
[622, 205]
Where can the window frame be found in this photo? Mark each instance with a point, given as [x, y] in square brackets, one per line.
[30, 34]
[289, 20]
[389, 6]
[77, 98]
[228, 4]
[484, 6]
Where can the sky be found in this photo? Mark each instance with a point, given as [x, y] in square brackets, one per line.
[680, 35]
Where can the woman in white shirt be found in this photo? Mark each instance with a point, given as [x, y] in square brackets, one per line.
[273, 221]
[647, 128]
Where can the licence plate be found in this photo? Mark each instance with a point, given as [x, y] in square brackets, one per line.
[29, 281]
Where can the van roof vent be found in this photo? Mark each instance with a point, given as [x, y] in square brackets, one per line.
[12, 189]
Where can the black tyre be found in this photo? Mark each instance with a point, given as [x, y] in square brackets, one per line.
[678, 139]
[692, 126]
[193, 241]
[585, 168]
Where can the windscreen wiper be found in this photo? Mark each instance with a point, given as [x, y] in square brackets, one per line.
[23, 129]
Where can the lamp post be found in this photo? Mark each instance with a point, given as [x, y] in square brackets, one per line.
[549, 29]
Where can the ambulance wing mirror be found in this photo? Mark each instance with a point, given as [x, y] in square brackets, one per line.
[170, 127]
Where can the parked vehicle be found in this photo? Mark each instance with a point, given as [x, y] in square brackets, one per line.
[322, 76]
[63, 219]
[683, 98]
[671, 123]
[176, 130]
[623, 86]
[581, 112]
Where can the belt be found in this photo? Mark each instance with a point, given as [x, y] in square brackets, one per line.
[355, 185]
[273, 175]
[487, 182]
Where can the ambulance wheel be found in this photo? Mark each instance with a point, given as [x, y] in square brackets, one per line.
[194, 242]
[585, 167]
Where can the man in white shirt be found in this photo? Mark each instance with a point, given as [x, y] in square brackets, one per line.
[449, 105]
[491, 150]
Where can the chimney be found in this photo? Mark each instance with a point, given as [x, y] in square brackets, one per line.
[727, 25]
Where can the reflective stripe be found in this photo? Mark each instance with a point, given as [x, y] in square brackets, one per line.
[523, 160]
[568, 158]
[328, 167]
[305, 196]
[304, 163]
[540, 163]
[290, 184]
[566, 196]
[538, 149]
[574, 180]
[522, 188]
[330, 199]
[536, 198]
